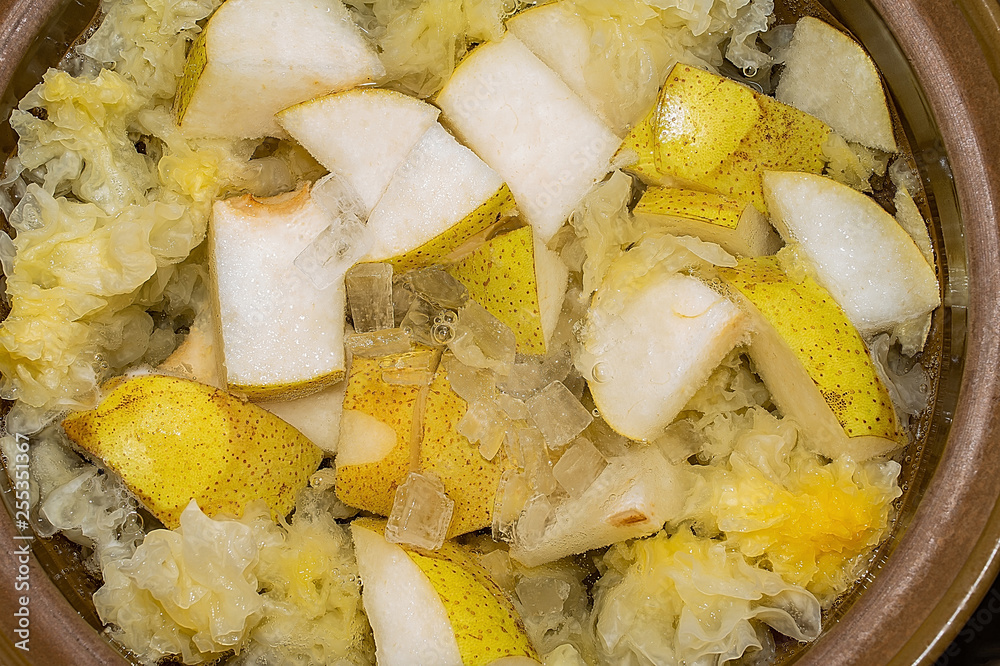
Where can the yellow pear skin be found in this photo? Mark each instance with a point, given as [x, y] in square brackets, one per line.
[173, 440]
[442, 247]
[814, 362]
[485, 623]
[640, 148]
[469, 479]
[715, 134]
[701, 120]
[737, 226]
[500, 276]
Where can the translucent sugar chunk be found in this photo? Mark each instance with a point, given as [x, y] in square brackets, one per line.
[486, 424]
[531, 374]
[338, 247]
[438, 287]
[421, 512]
[514, 408]
[558, 415]
[579, 467]
[535, 457]
[337, 196]
[498, 566]
[402, 299]
[513, 493]
[414, 368]
[378, 343]
[542, 595]
[429, 324]
[471, 384]
[483, 341]
[533, 521]
[369, 294]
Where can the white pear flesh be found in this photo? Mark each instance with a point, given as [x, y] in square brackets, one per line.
[632, 497]
[316, 416]
[274, 345]
[410, 624]
[363, 438]
[262, 56]
[525, 122]
[440, 182]
[828, 74]
[197, 357]
[560, 38]
[647, 349]
[363, 135]
[860, 254]
[551, 280]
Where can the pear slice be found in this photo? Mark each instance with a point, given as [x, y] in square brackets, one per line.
[173, 440]
[738, 227]
[814, 362]
[362, 134]
[197, 357]
[715, 134]
[433, 608]
[438, 198]
[701, 120]
[525, 122]
[256, 57]
[829, 75]
[859, 252]
[552, 279]
[519, 282]
[632, 497]
[637, 153]
[649, 343]
[274, 346]
[316, 416]
[560, 38]
[371, 463]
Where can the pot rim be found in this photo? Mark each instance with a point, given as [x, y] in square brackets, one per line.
[914, 606]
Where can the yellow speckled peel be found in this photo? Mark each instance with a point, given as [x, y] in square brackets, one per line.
[814, 362]
[174, 440]
[691, 205]
[787, 139]
[500, 276]
[258, 393]
[486, 625]
[735, 225]
[441, 248]
[784, 138]
[701, 119]
[720, 135]
[642, 144]
[469, 479]
[197, 58]
[484, 621]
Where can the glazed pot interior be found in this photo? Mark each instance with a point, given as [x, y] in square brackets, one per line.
[926, 578]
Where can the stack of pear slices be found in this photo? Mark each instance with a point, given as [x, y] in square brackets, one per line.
[742, 171]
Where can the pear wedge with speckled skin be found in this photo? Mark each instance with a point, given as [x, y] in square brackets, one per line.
[256, 57]
[436, 608]
[520, 282]
[386, 427]
[738, 227]
[282, 336]
[829, 75]
[173, 440]
[814, 362]
[714, 134]
[439, 201]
